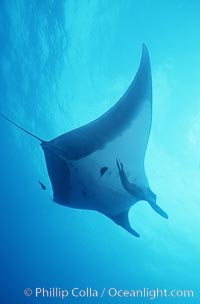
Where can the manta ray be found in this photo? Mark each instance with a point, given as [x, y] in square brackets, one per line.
[100, 166]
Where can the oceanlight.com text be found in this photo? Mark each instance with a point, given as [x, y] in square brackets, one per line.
[88, 292]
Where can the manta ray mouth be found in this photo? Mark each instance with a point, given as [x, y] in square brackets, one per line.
[59, 174]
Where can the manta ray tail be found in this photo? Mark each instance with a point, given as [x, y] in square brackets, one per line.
[123, 221]
[19, 127]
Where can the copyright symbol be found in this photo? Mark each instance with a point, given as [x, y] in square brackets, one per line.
[28, 292]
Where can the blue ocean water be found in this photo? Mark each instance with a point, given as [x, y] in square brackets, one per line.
[62, 64]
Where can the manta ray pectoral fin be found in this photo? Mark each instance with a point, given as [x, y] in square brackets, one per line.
[157, 209]
[123, 221]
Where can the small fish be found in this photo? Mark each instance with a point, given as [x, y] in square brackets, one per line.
[42, 186]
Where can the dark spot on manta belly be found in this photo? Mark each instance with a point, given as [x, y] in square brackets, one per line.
[103, 170]
[84, 192]
[72, 166]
